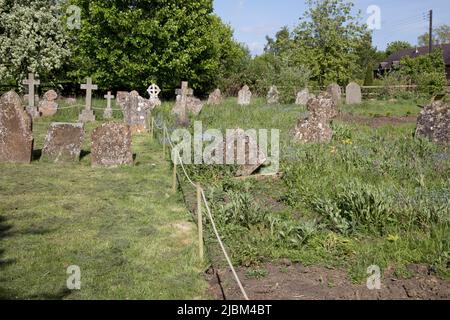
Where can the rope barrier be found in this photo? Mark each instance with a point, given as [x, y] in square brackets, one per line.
[210, 216]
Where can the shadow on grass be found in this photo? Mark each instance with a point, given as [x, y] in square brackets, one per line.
[7, 294]
[84, 154]
[36, 156]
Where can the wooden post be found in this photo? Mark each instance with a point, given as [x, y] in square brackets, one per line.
[200, 221]
[174, 178]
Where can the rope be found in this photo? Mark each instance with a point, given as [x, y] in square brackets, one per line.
[210, 216]
[223, 247]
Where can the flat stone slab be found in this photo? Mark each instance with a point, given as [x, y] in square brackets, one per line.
[63, 142]
[433, 123]
[111, 145]
[16, 139]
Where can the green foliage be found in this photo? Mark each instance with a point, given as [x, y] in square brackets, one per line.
[32, 39]
[427, 71]
[396, 46]
[164, 41]
[441, 35]
[327, 40]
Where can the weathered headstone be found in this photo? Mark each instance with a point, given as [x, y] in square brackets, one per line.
[31, 107]
[241, 149]
[316, 127]
[111, 145]
[273, 96]
[323, 107]
[244, 96]
[154, 91]
[353, 93]
[121, 98]
[336, 93]
[63, 142]
[433, 122]
[136, 111]
[88, 115]
[188, 102]
[16, 140]
[48, 107]
[302, 97]
[108, 113]
[215, 98]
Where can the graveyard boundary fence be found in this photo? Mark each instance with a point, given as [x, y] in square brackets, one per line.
[201, 197]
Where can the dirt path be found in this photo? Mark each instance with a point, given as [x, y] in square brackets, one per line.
[297, 282]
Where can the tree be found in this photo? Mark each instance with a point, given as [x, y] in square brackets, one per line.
[441, 35]
[32, 38]
[396, 46]
[327, 41]
[163, 41]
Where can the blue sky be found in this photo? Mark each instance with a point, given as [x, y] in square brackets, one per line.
[252, 20]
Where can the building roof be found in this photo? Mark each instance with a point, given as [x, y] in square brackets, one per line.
[395, 58]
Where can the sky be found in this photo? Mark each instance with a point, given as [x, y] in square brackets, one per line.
[405, 20]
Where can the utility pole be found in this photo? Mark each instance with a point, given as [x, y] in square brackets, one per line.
[431, 31]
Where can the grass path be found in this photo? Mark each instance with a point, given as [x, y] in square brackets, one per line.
[130, 236]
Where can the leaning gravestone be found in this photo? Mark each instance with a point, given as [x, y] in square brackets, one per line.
[240, 149]
[186, 101]
[31, 107]
[108, 113]
[336, 94]
[63, 142]
[16, 140]
[215, 98]
[273, 96]
[302, 97]
[244, 96]
[316, 127]
[48, 107]
[111, 145]
[433, 122]
[353, 93]
[88, 115]
[136, 111]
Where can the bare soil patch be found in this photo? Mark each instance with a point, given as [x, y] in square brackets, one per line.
[297, 282]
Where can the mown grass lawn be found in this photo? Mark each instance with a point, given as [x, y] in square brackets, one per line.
[131, 237]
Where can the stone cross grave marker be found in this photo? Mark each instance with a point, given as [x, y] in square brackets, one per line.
[88, 115]
[154, 91]
[31, 82]
[183, 93]
[108, 113]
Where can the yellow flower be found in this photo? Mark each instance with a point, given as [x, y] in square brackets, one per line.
[393, 238]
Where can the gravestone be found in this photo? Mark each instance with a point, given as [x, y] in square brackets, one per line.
[108, 113]
[316, 127]
[323, 107]
[88, 115]
[111, 145]
[302, 97]
[63, 142]
[189, 103]
[31, 107]
[336, 94]
[215, 98]
[136, 111]
[433, 122]
[353, 93]
[16, 140]
[244, 96]
[48, 107]
[273, 96]
[154, 91]
[121, 97]
[238, 140]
